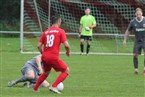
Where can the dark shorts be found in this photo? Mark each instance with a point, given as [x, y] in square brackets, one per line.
[138, 48]
[28, 67]
[86, 37]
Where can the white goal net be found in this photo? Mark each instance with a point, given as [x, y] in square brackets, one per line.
[112, 20]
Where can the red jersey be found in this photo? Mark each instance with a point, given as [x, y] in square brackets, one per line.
[52, 39]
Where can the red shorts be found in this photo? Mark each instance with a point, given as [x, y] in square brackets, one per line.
[56, 64]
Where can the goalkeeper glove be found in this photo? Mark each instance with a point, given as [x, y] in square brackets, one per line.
[87, 28]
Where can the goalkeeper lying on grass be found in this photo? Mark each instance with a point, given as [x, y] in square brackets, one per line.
[30, 71]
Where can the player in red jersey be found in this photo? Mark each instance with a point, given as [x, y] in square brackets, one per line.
[49, 45]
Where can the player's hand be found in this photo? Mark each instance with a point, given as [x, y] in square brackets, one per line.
[68, 54]
[40, 70]
[87, 28]
[124, 44]
[90, 27]
[80, 30]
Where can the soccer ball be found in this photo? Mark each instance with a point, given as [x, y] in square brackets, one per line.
[60, 86]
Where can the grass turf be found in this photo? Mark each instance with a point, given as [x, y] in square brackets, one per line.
[98, 44]
[91, 76]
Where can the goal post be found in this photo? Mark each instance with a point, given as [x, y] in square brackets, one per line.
[35, 16]
[112, 20]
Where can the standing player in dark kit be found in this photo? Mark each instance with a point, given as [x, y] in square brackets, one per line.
[87, 23]
[51, 40]
[138, 26]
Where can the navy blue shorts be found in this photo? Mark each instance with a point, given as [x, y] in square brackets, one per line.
[86, 37]
[138, 47]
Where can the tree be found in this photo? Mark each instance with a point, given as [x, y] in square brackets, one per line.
[10, 12]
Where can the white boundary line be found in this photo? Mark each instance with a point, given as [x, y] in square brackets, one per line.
[78, 53]
[71, 33]
[68, 33]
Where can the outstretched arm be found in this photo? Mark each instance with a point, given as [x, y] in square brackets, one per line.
[38, 61]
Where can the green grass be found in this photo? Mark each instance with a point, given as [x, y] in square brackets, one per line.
[91, 76]
[98, 44]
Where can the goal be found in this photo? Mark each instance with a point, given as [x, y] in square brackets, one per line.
[112, 20]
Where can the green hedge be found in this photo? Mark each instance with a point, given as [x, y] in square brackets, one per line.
[9, 15]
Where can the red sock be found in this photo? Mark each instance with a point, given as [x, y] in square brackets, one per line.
[39, 81]
[60, 78]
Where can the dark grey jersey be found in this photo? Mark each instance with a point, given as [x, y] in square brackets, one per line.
[32, 63]
[139, 29]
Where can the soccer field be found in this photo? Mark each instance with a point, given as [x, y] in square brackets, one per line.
[90, 76]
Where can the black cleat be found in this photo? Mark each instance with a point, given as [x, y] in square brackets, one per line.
[136, 72]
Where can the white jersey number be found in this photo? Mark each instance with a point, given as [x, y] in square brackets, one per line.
[50, 40]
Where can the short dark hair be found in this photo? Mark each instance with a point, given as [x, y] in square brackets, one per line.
[54, 19]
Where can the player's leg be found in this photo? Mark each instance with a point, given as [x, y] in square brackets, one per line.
[28, 74]
[137, 51]
[61, 77]
[88, 44]
[44, 84]
[144, 64]
[34, 80]
[43, 76]
[14, 82]
[82, 44]
[135, 61]
[144, 58]
[64, 69]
